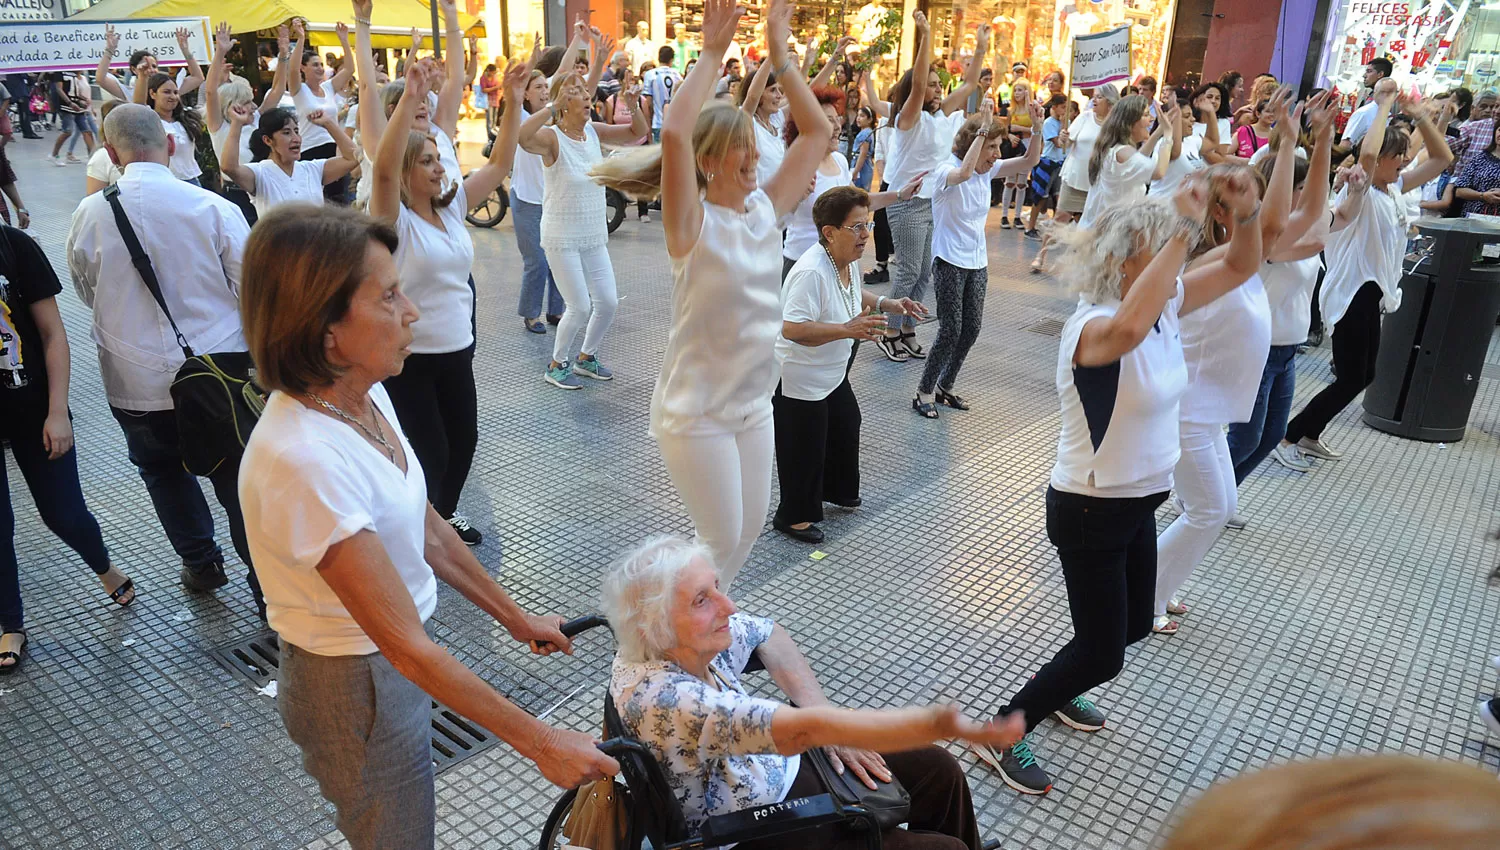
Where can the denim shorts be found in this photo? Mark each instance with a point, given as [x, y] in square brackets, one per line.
[81, 122]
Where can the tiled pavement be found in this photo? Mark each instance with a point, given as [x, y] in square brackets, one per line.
[1352, 615]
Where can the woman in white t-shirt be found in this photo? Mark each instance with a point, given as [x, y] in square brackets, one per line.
[539, 293]
[960, 260]
[574, 233]
[1211, 111]
[763, 98]
[435, 395]
[1077, 143]
[223, 92]
[1118, 170]
[278, 175]
[711, 411]
[183, 124]
[1120, 377]
[313, 91]
[348, 549]
[1184, 152]
[824, 311]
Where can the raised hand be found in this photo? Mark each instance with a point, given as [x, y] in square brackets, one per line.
[222, 38]
[341, 29]
[607, 45]
[449, 9]
[536, 51]
[182, 39]
[320, 118]
[842, 44]
[1191, 198]
[919, 20]
[1320, 112]
[517, 74]
[1356, 179]
[1417, 109]
[1034, 109]
[362, 9]
[778, 19]
[1386, 91]
[720, 17]
[111, 39]
[299, 31]
[981, 40]
[581, 29]
[241, 114]
[1239, 194]
[416, 39]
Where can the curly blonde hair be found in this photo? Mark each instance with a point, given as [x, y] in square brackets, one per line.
[1094, 261]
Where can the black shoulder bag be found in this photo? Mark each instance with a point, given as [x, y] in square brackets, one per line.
[214, 396]
[890, 804]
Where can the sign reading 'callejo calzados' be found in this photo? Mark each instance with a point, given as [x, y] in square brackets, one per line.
[31, 10]
[1103, 57]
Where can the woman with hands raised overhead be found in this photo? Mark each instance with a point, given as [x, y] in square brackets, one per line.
[313, 91]
[279, 174]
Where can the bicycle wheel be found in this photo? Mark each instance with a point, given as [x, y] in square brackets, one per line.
[614, 210]
[552, 837]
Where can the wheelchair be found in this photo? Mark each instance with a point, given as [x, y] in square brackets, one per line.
[656, 821]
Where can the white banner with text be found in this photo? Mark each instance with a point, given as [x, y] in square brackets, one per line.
[1102, 57]
[40, 46]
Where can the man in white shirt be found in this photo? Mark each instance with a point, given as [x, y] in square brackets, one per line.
[640, 49]
[194, 239]
[660, 84]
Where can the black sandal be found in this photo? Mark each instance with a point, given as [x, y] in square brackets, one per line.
[13, 657]
[953, 401]
[126, 587]
[925, 408]
[913, 348]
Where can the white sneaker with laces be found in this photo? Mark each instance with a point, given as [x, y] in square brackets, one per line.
[1290, 457]
[1318, 449]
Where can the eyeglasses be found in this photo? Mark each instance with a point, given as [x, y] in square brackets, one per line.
[862, 227]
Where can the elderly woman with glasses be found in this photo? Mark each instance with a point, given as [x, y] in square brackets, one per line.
[824, 312]
[676, 683]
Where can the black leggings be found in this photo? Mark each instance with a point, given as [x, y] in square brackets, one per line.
[817, 452]
[438, 406]
[1356, 341]
[336, 192]
[885, 246]
[960, 309]
[1108, 553]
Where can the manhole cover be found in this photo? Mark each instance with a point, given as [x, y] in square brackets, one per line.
[1045, 327]
[453, 738]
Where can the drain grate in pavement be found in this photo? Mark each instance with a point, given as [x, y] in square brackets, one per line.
[453, 738]
[1046, 327]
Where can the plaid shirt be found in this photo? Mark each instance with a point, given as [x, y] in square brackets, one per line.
[1475, 138]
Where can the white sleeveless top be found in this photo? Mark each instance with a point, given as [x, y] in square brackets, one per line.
[573, 217]
[720, 365]
[526, 174]
[800, 232]
[1225, 344]
[1119, 435]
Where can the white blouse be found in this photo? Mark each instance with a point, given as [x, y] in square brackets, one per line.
[573, 218]
[812, 293]
[273, 186]
[1369, 249]
[1225, 344]
[1119, 182]
[434, 265]
[1082, 133]
[800, 232]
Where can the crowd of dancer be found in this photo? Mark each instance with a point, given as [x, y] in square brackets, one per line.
[1195, 237]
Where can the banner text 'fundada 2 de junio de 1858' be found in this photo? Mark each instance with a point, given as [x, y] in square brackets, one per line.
[40, 46]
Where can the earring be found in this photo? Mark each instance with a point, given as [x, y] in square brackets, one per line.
[710, 177]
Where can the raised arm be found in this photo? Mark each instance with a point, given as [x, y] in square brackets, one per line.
[959, 98]
[881, 108]
[1276, 208]
[1369, 146]
[682, 210]
[604, 47]
[1357, 183]
[965, 170]
[1212, 152]
[578, 45]
[834, 59]
[625, 134]
[1024, 163]
[1169, 123]
[535, 137]
[346, 68]
[486, 179]
[911, 108]
[1307, 227]
[751, 103]
[294, 73]
[371, 117]
[1439, 155]
[229, 157]
[789, 184]
[102, 75]
[1214, 276]
[194, 70]
[451, 95]
[385, 185]
[277, 91]
[222, 43]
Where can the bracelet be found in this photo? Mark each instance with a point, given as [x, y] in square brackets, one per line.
[1251, 217]
[781, 70]
[23, 210]
[879, 301]
[365, 21]
[1188, 229]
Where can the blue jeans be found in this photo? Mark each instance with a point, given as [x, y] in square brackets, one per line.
[59, 499]
[536, 276]
[1250, 442]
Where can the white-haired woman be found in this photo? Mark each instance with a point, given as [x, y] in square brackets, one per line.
[676, 684]
[711, 412]
[435, 394]
[1120, 376]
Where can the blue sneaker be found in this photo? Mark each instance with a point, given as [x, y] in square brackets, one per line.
[561, 376]
[592, 368]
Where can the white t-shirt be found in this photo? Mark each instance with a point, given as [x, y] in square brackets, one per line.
[527, 173]
[1370, 248]
[720, 365]
[1225, 344]
[958, 215]
[772, 147]
[922, 148]
[1289, 288]
[1226, 133]
[308, 481]
[447, 155]
[101, 168]
[434, 266]
[307, 101]
[1360, 123]
[800, 232]
[273, 186]
[660, 84]
[247, 133]
[1082, 133]
[1188, 160]
[1118, 183]
[812, 293]
[1119, 435]
[184, 161]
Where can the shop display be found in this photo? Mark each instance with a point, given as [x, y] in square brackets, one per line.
[1433, 44]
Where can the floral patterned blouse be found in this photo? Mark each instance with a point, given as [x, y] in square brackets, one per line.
[713, 741]
[1482, 174]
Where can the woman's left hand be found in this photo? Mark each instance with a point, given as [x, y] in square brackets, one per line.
[912, 187]
[57, 435]
[543, 634]
[914, 309]
[866, 765]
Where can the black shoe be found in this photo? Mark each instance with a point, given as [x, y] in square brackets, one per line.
[1081, 715]
[893, 351]
[944, 397]
[1315, 337]
[30, 136]
[908, 341]
[554, 318]
[1033, 234]
[879, 274]
[204, 578]
[467, 533]
[848, 504]
[811, 534]
[1017, 767]
[1489, 712]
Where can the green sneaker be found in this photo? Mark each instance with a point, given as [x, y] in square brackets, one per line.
[1081, 715]
[592, 368]
[561, 376]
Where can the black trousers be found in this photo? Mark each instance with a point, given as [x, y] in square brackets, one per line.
[1108, 553]
[960, 308]
[817, 452]
[885, 246]
[438, 406]
[1356, 341]
[942, 809]
[336, 192]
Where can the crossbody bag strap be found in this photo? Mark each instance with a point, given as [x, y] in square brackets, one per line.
[143, 263]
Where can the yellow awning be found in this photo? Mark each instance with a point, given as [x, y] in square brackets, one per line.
[391, 21]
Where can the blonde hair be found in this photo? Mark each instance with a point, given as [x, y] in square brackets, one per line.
[720, 129]
[1016, 87]
[416, 142]
[236, 92]
[1370, 802]
[1094, 263]
[1214, 233]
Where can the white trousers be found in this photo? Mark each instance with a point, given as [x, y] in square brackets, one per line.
[586, 280]
[725, 482]
[1204, 480]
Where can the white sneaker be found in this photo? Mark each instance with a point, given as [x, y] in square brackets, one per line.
[1236, 522]
[1290, 457]
[1318, 449]
[73, 160]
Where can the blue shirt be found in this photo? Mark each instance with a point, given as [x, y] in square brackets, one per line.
[866, 172]
[1050, 130]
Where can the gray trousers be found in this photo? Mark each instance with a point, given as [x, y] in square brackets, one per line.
[365, 732]
[911, 272]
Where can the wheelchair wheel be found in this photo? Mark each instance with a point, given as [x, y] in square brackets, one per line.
[615, 208]
[552, 837]
[491, 211]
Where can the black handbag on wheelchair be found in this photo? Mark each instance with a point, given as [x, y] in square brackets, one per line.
[890, 803]
[214, 396]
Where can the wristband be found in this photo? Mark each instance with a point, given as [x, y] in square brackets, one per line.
[1251, 217]
[879, 301]
[365, 21]
[782, 69]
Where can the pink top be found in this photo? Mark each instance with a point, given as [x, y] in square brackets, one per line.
[1249, 143]
[623, 116]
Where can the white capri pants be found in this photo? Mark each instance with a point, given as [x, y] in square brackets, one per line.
[586, 279]
[724, 480]
[1204, 480]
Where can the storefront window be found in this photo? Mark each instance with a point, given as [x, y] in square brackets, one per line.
[1432, 44]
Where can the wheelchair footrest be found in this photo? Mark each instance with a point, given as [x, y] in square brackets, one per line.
[772, 819]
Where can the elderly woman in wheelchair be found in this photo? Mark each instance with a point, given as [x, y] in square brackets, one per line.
[676, 687]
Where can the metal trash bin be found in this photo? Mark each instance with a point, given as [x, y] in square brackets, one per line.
[1433, 348]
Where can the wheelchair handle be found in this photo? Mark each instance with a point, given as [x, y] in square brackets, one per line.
[573, 628]
[616, 747]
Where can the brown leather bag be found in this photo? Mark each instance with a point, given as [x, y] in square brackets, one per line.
[598, 820]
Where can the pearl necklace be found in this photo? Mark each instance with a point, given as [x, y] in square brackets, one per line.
[851, 297]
